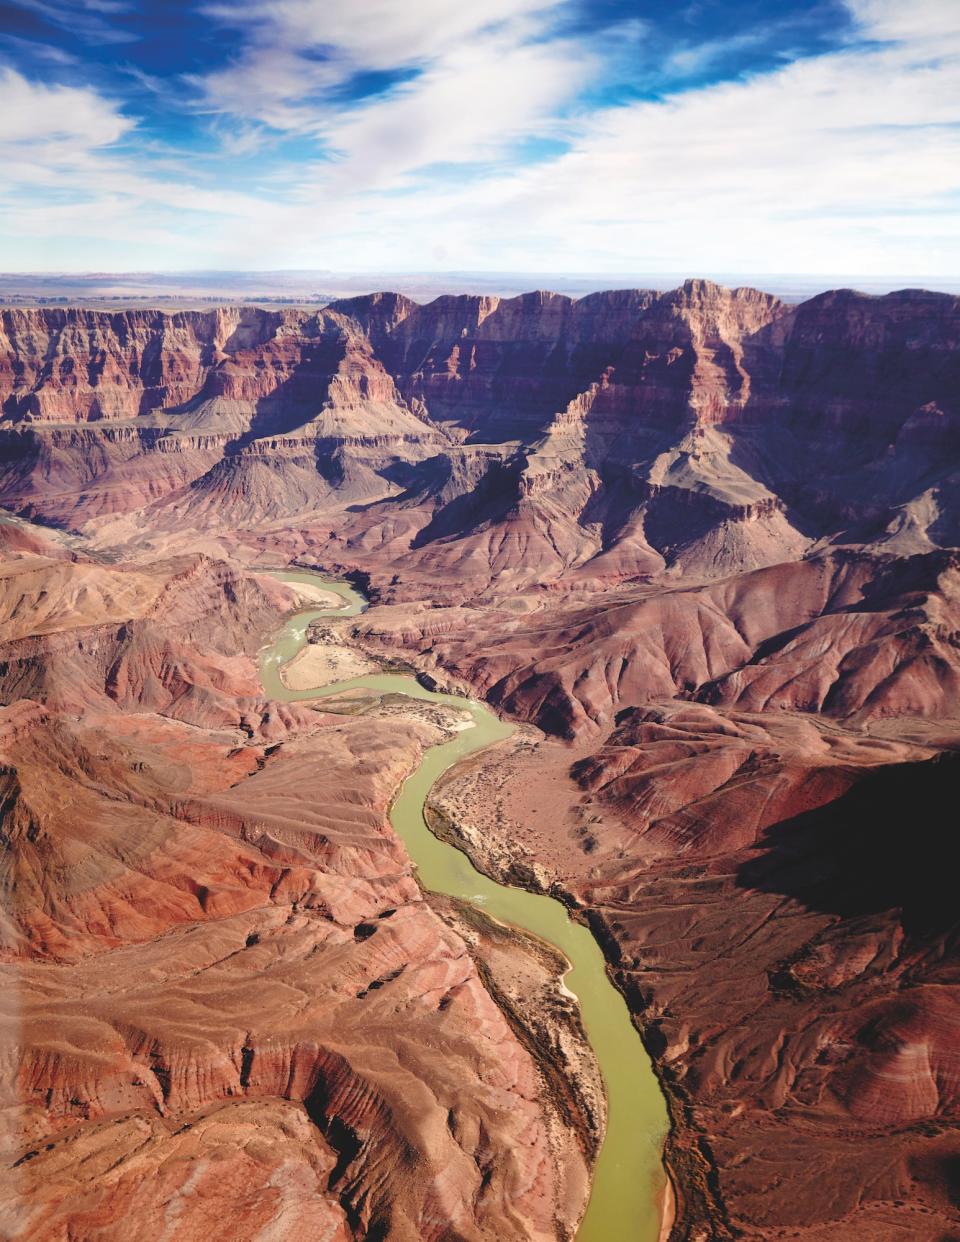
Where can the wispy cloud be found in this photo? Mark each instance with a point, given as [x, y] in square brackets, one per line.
[32, 49]
[479, 70]
[849, 161]
[379, 33]
[88, 20]
[470, 106]
[433, 135]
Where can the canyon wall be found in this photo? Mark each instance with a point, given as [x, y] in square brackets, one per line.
[701, 544]
[705, 430]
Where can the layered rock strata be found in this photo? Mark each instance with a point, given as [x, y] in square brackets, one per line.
[703, 543]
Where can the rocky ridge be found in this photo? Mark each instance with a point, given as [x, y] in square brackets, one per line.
[705, 430]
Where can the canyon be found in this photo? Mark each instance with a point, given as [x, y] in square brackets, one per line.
[701, 547]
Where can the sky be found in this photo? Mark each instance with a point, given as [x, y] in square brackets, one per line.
[580, 136]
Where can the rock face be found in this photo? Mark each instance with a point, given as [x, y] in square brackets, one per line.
[706, 430]
[853, 636]
[703, 543]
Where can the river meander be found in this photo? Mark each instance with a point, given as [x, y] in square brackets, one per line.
[628, 1181]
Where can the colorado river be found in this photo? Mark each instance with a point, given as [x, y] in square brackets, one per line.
[628, 1180]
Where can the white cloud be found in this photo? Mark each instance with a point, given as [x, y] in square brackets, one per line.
[844, 162]
[482, 77]
[931, 22]
[44, 117]
[476, 101]
[268, 86]
[66, 182]
[299, 52]
[847, 162]
[377, 34]
[696, 57]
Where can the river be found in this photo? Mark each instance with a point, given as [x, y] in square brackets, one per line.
[627, 1193]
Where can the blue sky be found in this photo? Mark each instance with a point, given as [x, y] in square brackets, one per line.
[707, 136]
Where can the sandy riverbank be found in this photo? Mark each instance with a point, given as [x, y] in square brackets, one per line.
[318, 596]
[321, 664]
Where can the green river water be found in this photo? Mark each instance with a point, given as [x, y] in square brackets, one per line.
[628, 1182]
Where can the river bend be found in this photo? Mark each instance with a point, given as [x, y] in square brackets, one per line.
[628, 1180]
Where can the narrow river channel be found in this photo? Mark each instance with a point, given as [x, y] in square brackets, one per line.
[628, 1183]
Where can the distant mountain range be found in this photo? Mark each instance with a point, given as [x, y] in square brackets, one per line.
[291, 287]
